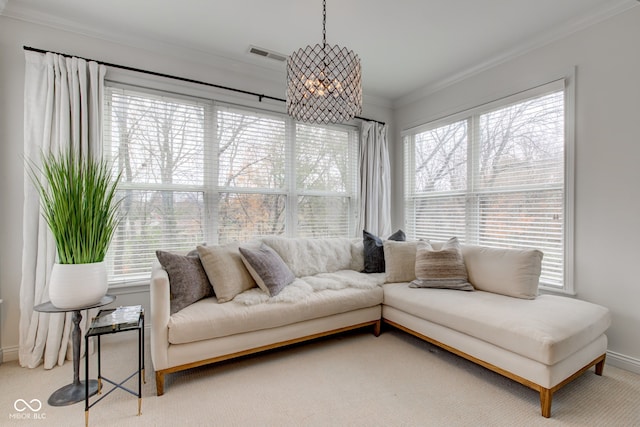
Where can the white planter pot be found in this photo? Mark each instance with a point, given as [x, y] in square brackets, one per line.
[77, 285]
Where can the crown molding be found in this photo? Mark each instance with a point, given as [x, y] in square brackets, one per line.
[605, 12]
[253, 70]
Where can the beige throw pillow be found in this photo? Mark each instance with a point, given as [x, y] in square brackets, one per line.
[225, 270]
[400, 261]
[511, 272]
[442, 269]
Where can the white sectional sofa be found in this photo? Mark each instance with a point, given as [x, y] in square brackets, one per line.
[541, 341]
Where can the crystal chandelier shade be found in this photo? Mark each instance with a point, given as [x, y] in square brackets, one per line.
[324, 83]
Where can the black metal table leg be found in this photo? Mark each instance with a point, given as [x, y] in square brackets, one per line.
[76, 391]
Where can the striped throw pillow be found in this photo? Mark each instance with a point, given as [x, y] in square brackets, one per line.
[441, 269]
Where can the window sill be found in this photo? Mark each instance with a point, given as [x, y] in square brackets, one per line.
[130, 287]
[556, 291]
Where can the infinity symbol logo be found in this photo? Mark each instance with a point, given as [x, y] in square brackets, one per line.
[37, 405]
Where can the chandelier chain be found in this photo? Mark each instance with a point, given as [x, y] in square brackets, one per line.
[324, 22]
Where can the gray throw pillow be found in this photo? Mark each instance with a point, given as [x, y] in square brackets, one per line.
[188, 281]
[267, 268]
[374, 250]
[441, 269]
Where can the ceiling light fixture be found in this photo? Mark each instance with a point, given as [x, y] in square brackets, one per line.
[324, 82]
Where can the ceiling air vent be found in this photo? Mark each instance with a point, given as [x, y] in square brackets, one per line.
[267, 53]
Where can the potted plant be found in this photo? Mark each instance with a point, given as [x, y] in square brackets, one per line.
[79, 204]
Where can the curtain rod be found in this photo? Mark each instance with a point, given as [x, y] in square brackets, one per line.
[169, 76]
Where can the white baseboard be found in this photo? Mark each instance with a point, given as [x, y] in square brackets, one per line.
[9, 354]
[623, 362]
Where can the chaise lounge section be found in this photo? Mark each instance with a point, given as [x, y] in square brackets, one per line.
[542, 342]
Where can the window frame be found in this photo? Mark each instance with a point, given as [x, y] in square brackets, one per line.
[565, 82]
[211, 186]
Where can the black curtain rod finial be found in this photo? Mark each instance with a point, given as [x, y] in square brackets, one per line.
[169, 76]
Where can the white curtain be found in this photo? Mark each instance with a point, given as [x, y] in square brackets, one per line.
[375, 180]
[62, 111]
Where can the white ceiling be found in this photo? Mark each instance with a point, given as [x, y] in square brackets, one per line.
[404, 45]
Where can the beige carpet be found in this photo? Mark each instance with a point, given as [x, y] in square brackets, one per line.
[352, 380]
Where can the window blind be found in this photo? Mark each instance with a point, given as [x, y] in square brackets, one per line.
[157, 143]
[325, 157]
[252, 171]
[494, 177]
[197, 171]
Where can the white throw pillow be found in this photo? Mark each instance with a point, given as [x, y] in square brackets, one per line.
[511, 272]
[357, 255]
[400, 261]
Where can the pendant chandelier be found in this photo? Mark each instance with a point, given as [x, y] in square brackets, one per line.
[323, 82]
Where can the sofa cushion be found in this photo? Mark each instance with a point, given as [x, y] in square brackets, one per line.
[226, 271]
[301, 287]
[441, 268]
[208, 319]
[374, 250]
[188, 281]
[400, 261]
[308, 256]
[267, 268]
[546, 329]
[512, 272]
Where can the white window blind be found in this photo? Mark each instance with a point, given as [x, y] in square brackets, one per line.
[252, 161]
[197, 171]
[494, 177]
[158, 145]
[325, 180]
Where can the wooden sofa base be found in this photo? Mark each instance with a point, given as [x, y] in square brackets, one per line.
[161, 373]
[546, 394]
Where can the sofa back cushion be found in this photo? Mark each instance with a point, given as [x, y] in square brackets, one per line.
[511, 272]
[307, 257]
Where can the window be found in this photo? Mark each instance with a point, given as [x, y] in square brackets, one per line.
[198, 171]
[496, 176]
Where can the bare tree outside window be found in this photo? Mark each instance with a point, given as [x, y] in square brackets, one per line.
[194, 171]
[495, 179]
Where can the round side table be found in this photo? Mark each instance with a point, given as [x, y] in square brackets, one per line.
[74, 392]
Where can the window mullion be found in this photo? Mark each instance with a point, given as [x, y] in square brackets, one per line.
[354, 155]
[473, 166]
[291, 224]
[410, 184]
[212, 169]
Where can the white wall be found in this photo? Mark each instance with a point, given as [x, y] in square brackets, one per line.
[607, 148]
[607, 218]
[14, 34]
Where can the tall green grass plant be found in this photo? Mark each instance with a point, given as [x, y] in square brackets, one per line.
[79, 204]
